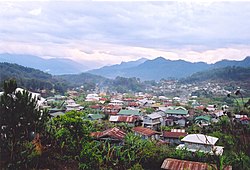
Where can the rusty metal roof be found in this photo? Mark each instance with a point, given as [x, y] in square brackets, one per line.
[176, 164]
[113, 133]
[174, 134]
[145, 131]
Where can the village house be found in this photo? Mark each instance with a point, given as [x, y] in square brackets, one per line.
[92, 97]
[202, 143]
[71, 105]
[174, 164]
[173, 137]
[204, 120]
[153, 121]
[177, 113]
[130, 120]
[146, 133]
[111, 109]
[95, 117]
[113, 135]
[124, 112]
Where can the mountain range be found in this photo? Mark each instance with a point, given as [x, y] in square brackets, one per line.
[160, 67]
[156, 69]
[53, 66]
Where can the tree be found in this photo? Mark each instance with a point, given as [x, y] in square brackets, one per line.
[21, 120]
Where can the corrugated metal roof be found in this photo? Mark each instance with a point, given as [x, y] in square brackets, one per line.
[175, 164]
[113, 133]
[177, 112]
[129, 112]
[126, 119]
[154, 115]
[174, 134]
[200, 138]
[145, 131]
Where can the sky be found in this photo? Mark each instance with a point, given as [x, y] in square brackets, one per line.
[107, 32]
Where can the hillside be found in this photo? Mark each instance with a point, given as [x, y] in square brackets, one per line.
[239, 74]
[118, 69]
[53, 66]
[160, 67]
[29, 78]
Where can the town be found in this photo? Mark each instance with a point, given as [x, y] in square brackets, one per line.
[182, 123]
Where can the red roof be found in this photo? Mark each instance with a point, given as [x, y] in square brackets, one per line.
[244, 118]
[114, 133]
[174, 134]
[174, 164]
[133, 104]
[127, 119]
[95, 106]
[145, 131]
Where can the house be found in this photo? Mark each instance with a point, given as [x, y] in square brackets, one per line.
[123, 112]
[71, 105]
[153, 121]
[111, 109]
[173, 138]
[95, 116]
[202, 143]
[204, 120]
[96, 107]
[146, 133]
[113, 135]
[177, 113]
[116, 102]
[92, 97]
[174, 164]
[130, 120]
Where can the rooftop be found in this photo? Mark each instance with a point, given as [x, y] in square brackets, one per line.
[129, 112]
[200, 138]
[174, 134]
[173, 164]
[145, 131]
[113, 133]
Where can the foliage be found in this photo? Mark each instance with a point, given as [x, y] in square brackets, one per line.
[21, 119]
[69, 130]
[30, 78]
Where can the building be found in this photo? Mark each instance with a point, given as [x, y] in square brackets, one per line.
[153, 121]
[130, 120]
[202, 143]
[174, 164]
[146, 133]
[114, 135]
[123, 112]
[173, 138]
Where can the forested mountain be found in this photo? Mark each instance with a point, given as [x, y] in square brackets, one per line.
[35, 80]
[29, 78]
[239, 74]
[160, 67]
[53, 66]
[118, 69]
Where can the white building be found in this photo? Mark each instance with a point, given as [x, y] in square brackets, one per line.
[202, 143]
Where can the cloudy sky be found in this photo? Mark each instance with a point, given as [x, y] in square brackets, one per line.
[108, 32]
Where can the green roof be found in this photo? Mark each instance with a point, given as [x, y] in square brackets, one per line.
[95, 116]
[177, 112]
[129, 112]
[206, 118]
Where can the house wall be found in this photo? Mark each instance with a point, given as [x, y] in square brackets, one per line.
[196, 146]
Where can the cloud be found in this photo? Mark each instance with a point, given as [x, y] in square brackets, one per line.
[36, 11]
[110, 32]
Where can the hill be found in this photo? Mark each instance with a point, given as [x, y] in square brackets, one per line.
[229, 73]
[160, 67]
[118, 69]
[29, 78]
[53, 66]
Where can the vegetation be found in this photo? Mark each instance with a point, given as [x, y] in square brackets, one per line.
[226, 73]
